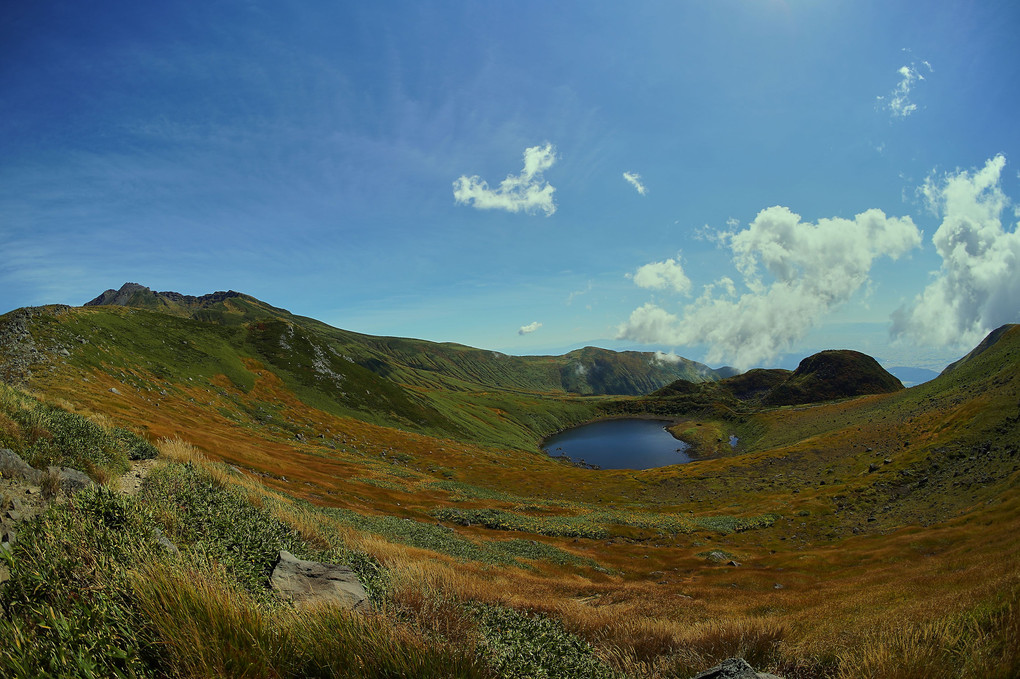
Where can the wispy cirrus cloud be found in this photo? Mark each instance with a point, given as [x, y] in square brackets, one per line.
[526, 192]
[898, 103]
[795, 272]
[635, 180]
[529, 328]
[978, 285]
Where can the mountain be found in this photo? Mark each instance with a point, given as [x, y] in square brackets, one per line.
[987, 343]
[825, 376]
[409, 383]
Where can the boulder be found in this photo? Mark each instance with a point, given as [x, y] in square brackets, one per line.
[315, 582]
[734, 668]
[13, 467]
[70, 480]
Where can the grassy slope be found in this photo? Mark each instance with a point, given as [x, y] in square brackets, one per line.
[863, 557]
[438, 365]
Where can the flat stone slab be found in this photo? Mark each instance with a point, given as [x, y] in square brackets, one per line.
[316, 582]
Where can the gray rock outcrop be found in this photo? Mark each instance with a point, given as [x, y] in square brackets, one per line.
[315, 582]
[70, 480]
[734, 668]
[13, 467]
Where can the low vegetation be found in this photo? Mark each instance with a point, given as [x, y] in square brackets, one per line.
[873, 537]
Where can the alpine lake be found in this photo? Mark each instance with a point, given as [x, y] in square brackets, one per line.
[619, 444]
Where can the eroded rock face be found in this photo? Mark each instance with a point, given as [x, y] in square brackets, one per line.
[315, 582]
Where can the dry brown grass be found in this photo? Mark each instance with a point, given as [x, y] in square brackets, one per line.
[208, 629]
[179, 450]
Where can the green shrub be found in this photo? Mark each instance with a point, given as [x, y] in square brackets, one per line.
[68, 610]
[519, 645]
[205, 518]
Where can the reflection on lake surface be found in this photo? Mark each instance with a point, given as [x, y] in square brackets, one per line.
[620, 444]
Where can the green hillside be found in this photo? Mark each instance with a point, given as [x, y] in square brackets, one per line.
[421, 363]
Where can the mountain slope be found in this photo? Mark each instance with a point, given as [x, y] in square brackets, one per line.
[426, 364]
[154, 339]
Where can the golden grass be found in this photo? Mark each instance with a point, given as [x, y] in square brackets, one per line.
[207, 629]
[179, 450]
[974, 645]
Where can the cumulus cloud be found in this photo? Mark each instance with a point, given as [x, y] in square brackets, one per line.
[978, 285]
[794, 273]
[635, 180]
[525, 192]
[529, 328]
[668, 274]
[899, 103]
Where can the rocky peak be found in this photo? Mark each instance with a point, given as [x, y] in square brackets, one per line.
[133, 294]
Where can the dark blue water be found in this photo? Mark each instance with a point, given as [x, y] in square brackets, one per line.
[620, 444]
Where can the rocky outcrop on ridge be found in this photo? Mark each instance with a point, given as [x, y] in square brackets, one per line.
[133, 294]
[20, 353]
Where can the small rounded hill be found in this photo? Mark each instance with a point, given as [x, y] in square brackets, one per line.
[830, 375]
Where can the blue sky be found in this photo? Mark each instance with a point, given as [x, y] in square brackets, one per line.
[733, 181]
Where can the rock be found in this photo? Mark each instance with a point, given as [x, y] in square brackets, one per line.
[114, 390]
[71, 480]
[734, 668]
[732, 563]
[8, 536]
[164, 541]
[314, 582]
[13, 467]
[872, 467]
[717, 557]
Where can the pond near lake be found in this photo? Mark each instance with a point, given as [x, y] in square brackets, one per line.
[619, 444]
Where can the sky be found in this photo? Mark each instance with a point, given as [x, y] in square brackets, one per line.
[740, 182]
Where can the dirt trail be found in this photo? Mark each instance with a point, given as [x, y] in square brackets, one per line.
[130, 482]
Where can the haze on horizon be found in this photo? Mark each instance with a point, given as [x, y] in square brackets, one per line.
[733, 182]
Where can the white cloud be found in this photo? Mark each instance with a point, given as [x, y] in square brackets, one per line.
[529, 328]
[978, 285]
[794, 272]
[662, 275]
[899, 103]
[635, 180]
[526, 192]
[664, 358]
